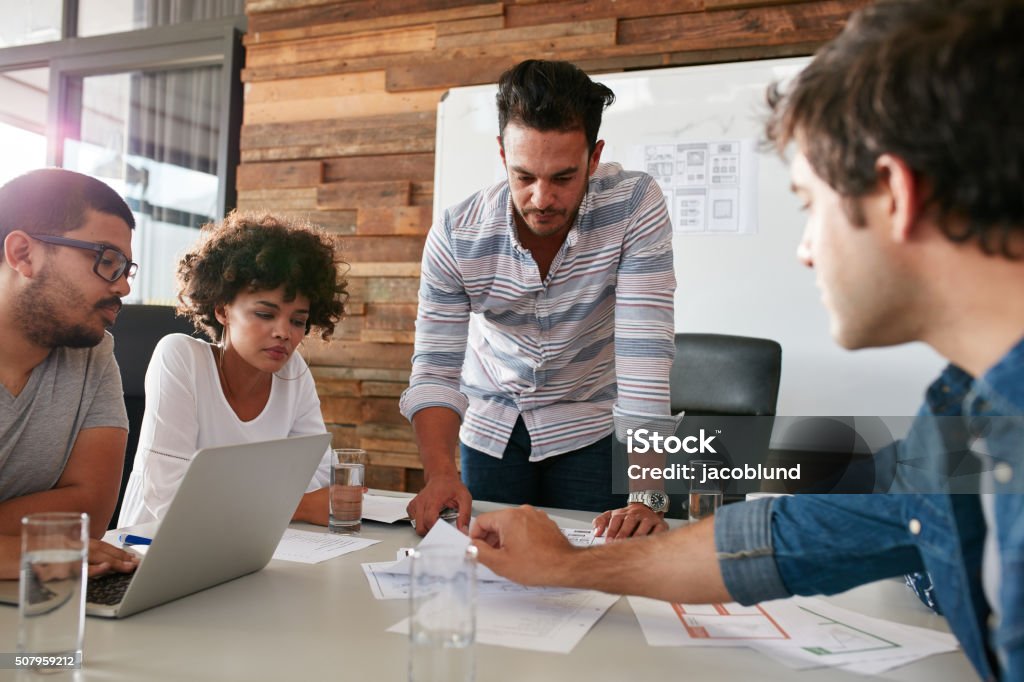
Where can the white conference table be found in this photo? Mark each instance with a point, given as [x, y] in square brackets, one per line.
[294, 621]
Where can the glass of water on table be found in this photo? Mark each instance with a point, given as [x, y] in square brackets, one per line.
[442, 614]
[51, 599]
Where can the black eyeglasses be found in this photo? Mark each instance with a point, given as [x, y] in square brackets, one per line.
[110, 263]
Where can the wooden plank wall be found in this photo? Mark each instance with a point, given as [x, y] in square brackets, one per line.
[339, 122]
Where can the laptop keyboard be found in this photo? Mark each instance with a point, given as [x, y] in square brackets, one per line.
[108, 589]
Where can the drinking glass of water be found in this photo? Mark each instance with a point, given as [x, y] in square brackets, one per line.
[348, 475]
[706, 490]
[51, 603]
[442, 614]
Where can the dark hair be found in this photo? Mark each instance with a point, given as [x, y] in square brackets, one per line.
[54, 201]
[932, 82]
[258, 252]
[552, 96]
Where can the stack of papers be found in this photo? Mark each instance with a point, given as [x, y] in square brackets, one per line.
[799, 632]
[508, 614]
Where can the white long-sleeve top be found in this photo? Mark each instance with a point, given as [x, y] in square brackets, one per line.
[186, 411]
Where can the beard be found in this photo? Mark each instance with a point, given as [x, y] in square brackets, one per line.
[43, 311]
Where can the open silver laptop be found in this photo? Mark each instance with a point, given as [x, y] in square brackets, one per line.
[225, 521]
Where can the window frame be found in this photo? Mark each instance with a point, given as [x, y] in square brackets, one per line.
[216, 42]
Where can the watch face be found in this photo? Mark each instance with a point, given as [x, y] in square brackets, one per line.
[659, 500]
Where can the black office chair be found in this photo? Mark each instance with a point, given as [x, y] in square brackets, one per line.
[136, 333]
[718, 375]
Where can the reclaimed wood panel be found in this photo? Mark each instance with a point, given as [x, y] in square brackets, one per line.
[339, 388]
[362, 355]
[384, 389]
[356, 195]
[399, 249]
[738, 28]
[392, 290]
[335, 222]
[391, 167]
[387, 336]
[603, 28]
[451, 28]
[268, 199]
[441, 73]
[369, 269]
[391, 316]
[538, 14]
[274, 135]
[381, 477]
[351, 10]
[408, 220]
[399, 431]
[361, 373]
[404, 133]
[735, 4]
[351, 106]
[253, 74]
[491, 9]
[279, 175]
[388, 42]
[315, 87]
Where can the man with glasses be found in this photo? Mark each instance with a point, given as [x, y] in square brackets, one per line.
[65, 264]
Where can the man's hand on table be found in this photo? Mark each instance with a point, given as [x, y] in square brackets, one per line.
[521, 544]
[632, 520]
[443, 490]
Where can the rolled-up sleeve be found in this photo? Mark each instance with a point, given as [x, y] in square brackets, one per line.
[819, 544]
[743, 544]
[442, 327]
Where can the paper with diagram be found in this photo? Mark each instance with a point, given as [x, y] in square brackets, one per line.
[710, 186]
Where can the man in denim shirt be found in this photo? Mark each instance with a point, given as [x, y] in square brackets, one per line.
[910, 164]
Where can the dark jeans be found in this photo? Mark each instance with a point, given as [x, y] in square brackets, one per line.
[581, 479]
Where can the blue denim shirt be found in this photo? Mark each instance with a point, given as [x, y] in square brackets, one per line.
[825, 544]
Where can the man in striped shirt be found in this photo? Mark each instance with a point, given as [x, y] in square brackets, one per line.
[546, 307]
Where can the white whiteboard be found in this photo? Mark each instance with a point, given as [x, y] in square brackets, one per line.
[748, 284]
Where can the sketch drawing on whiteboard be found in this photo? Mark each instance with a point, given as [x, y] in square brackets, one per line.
[707, 184]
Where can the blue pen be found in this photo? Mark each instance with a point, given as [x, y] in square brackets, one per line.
[129, 539]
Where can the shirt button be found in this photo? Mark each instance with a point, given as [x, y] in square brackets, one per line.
[914, 526]
[1003, 472]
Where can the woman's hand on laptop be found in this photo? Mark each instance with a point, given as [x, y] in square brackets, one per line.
[105, 558]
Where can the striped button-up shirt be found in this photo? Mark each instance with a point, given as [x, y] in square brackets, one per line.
[494, 342]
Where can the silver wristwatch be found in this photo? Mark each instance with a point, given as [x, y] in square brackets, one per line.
[655, 500]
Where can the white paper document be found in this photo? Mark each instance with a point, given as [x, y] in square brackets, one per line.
[856, 642]
[385, 508]
[508, 614]
[539, 619]
[799, 632]
[307, 547]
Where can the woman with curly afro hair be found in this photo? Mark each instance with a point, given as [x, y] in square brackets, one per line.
[257, 285]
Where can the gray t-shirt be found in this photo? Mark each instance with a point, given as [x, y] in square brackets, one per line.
[71, 390]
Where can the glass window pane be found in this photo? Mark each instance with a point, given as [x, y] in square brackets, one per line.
[22, 121]
[153, 137]
[25, 23]
[98, 17]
